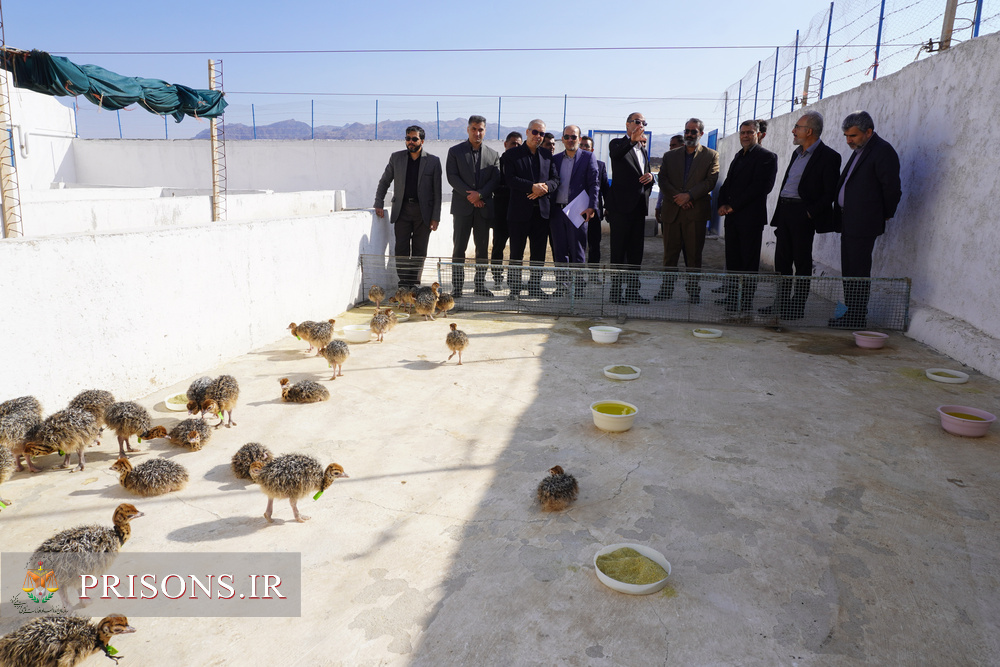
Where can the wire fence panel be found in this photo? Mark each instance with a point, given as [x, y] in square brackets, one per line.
[693, 296]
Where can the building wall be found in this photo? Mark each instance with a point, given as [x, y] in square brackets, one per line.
[43, 138]
[938, 114]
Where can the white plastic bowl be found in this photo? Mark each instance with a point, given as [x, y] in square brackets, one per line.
[633, 589]
[402, 317]
[180, 406]
[357, 333]
[870, 340]
[946, 375]
[604, 334]
[621, 376]
[703, 332]
[616, 423]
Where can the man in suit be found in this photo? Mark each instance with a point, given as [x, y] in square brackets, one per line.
[867, 195]
[532, 178]
[578, 177]
[743, 202]
[631, 184]
[804, 208]
[594, 226]
[501, 201]
[473, 170]
[416, 203]
[687, 178]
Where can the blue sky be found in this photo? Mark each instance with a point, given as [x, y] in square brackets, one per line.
[458, 84]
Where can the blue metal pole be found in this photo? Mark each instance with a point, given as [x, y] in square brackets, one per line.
[119, 112]
[565, 97]
[76, 120]
[739, 101]
[756, 91]
[979, 17]
[878, 40]
[499, 103]
[312, 119]
[826, 51]
[376, 120]
[725, 114]
[774, 86]
[795, 64]
[437, 105]
[166, 131]
[253, 120]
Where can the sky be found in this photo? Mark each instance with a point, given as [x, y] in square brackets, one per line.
[338, 88]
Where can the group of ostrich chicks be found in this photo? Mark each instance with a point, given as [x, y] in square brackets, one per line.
[63, 641]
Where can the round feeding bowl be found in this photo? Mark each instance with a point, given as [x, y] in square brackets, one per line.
[707, 333]
[871, 340]
[604, 334]
[177, 402]
[946, 375]
[402, 317]
[633, 589]
[614, 416]
[357, 333]
[962, 420]
[621, 372]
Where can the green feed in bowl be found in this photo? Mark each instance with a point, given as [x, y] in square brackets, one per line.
[180, 399]
[631, 567]
[942, 374]
[614, 409]
[622, 370]
[962, 415]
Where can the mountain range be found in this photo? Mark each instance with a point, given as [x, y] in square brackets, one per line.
[451, 130]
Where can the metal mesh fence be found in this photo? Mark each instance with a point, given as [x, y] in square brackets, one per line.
[693, 296]
[844, 47]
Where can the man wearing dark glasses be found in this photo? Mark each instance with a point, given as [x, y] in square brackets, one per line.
[416, 203]
[631, 184]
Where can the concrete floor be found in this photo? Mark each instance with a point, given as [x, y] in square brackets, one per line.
[813, 510]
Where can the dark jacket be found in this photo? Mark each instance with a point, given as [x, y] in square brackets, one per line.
[749, 181]
[872, 193]
[627, 193]
[818, 186]
[519, 177]
[428, 185]
[460, 169]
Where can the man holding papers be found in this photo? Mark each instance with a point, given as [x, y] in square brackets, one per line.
[575, 205]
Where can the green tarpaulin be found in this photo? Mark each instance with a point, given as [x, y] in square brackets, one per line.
[55, 75]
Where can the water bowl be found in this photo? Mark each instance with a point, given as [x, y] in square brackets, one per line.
[621, 372]
[633, 589]
[870, 340]
[965, 421]
[357, 333]
[614, 416]
[707, 333]
[946, 375]
[604, 334]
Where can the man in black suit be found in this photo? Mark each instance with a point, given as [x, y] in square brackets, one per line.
[473, 170]
[867, 195]
[531, 176]
[743, 202]
[594, 231]
[804, 208]
[501, 201]
[631, 184]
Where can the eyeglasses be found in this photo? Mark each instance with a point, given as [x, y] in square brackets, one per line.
[639, 122]
[412, 140]
[690, 131]
[570, 137]
[538, 133]
[800, 127]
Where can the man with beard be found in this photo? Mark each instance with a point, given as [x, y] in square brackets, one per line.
[631, 184]
[416, 203]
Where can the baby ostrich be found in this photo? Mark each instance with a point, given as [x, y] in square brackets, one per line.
[381, 323]
[445, 303]
[293, 476]
[6, 470]
[127, 419]
[336, 353]
[249, 453]
[317, 334]
[196, 394]
[191, 433]
[61, 641]
[376, 295]
[66, 431]
[151, 478]
[305, 391]
[94, 401]
[220, 396]
[457, 341]
[426, 301]
[22, 404]
[557, 491]
[405, 297]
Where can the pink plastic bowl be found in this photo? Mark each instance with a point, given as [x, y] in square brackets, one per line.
[970, 428]
[871, 340]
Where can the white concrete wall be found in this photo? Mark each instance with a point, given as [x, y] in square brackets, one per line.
[939, 114]
[135, 311]
[43, 138]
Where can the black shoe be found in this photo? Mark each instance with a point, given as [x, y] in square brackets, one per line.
[457, 293]
[562, 290]
[635, 297]
[514, 295]
[694, 299]
[498, 279]
[663, 295]
[847, 322]
[482, 291]
[617, 298]
[731, 307]
[539, 294]
[719, 290]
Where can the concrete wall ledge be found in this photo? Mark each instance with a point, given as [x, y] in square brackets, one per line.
[956, 338]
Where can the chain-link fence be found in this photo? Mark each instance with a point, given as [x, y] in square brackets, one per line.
[852, 42]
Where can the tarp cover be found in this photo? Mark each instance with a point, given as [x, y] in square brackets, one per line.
[55, 75]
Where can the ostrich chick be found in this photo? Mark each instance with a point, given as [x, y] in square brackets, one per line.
[445, 303]
[249, 453]
[305, 391]
[66, 431]
[293, 476]
[376, 295]
[336, 353]
[317, 334]
[426, 301]
[61, 641]
[151, 478]
[127, 419]
[220, 396]
[21, 404]
[405, 297]
[557, 491]
[190, 433]
[6, 470]
[86, 549]
[380, 323]
[14, 427]
[94, 401]
[196, 394]
[457, 341]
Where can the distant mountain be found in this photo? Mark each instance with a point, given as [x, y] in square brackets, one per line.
[451, 130]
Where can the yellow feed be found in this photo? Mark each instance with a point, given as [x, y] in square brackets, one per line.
[630, 567]
[181, 398]
[962, 415]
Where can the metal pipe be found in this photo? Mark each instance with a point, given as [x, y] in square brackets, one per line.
[774, 86]
[878, 40]
[739, 102]
[826, 51]
[438, 107]
[565, 98]
[253, 120]
[312, 119]
[376, 120]
[978, 18]
[119, 113]
[756, 91]
[795, 64]
[499, 102]
[948, 25]
[725, 112]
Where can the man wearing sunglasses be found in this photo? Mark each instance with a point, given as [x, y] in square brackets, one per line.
[576, 196]
[532, 178]
[416, 203]
[628, 206]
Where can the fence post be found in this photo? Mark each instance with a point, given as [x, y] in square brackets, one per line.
[948, 26]
[565, 97]
[795, 64]
[499, 104]
[119, 112]
[826, 51]
[756, 91]
[725, 111]
[978, 18]
[166, 131]
[437, 105]
[312, 119]
[253, 120]
[774, 86]
[739, 102]
[878, 40]
[376, 120]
